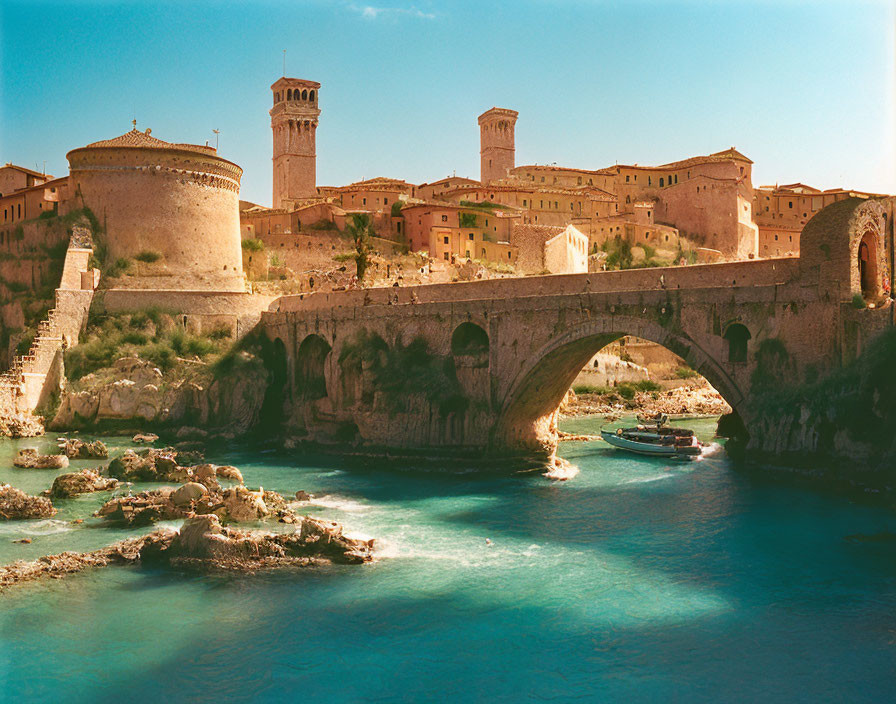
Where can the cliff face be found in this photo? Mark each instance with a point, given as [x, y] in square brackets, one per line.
[842, 426]
[136, 393]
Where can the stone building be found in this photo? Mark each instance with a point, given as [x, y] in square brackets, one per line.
[497, 149]
[553, 250]
[294, 119]
[781, 212]
[178, 202]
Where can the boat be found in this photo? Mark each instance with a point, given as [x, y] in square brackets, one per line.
[655, 438]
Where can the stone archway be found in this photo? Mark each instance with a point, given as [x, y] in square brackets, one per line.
[527, 420]
[311, 380]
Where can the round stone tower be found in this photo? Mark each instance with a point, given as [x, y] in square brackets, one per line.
[294, 124]
[177, 202]
[497, 147]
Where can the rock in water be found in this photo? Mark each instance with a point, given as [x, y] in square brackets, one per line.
[84, 482]
[81, 450]
[188, 494]
[204, 543]
[30, 458]
[228, 472]
[16, 504]
[242, 505]
[147, 438]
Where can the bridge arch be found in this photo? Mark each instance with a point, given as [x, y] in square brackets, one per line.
[470, 340]
[310, 368]
[527, 420]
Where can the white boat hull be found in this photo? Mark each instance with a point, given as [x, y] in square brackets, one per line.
[643, 448]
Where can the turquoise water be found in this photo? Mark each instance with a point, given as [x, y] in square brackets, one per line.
[635, 581]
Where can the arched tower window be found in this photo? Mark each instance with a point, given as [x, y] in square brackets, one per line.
[311, 96]
[304, 95]
[869, 277]
[738, 336]
[289, 94]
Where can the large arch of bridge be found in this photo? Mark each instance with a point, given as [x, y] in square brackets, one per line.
[539, 387]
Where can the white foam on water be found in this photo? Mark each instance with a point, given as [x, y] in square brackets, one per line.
[338, 503]
[562, 472]
[47, 526]
[644, 480]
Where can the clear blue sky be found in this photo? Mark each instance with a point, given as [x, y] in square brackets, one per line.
[805, 89]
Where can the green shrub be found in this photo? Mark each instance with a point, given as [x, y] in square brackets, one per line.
[467, 219]
[252, 245]
[396, 208]
[858, 301]
[626, 391]
[119, 267]
[147, 256]
[46, 215]
[590, 389]
[159, 354]
[685, 373]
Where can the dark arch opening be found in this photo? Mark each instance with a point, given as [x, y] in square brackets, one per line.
[273, 355]
[311, 96]
[289, 94]
[311, 381]
[470, 346]
[304, 95]
[738, 337]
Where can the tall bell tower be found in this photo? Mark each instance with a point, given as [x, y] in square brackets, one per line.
[497, 145]
[294, 124]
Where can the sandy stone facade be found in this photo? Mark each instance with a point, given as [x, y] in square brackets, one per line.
[497, 144]
[177, 201]
[294, 119]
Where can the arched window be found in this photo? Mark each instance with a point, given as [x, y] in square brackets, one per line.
[289, 94]
[869, 279]
[628, 199]
[304, 95]
[311, 96]
[738, 336]
[661, 183]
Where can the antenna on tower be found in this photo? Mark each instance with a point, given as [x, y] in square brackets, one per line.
[284, 63]
[217, 132]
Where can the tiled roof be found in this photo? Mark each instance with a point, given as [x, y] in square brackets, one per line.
[143, 140]
[30, 172]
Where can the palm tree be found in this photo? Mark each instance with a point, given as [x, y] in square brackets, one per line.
[360, 230]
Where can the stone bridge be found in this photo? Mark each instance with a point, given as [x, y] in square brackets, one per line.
[483, 366]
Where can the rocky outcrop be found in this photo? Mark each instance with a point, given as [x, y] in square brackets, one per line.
[203, 540]
[16, 504]
[134, 389]
[234, 505]
[147, 507]
[145, 438]
[162, 465]
[21, 425]
[81, 450]
[203, 543]
[65, 486]
[30, 458]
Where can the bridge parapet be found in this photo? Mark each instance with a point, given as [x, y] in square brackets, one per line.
[762, 272]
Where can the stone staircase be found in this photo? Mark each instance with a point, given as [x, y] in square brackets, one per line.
[33, 376]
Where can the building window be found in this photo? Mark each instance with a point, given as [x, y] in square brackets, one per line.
[363, 201]
[444, 218]
[446, 240]
[524, 202]
[471, 235]
[385, 201]
[661, 183]
[483, 252]
[445, 256]
[790, 204]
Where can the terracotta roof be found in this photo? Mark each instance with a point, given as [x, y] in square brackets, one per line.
[30, 172]
[290, 82]
[143, 140]
[380, 183]
[559, 168]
